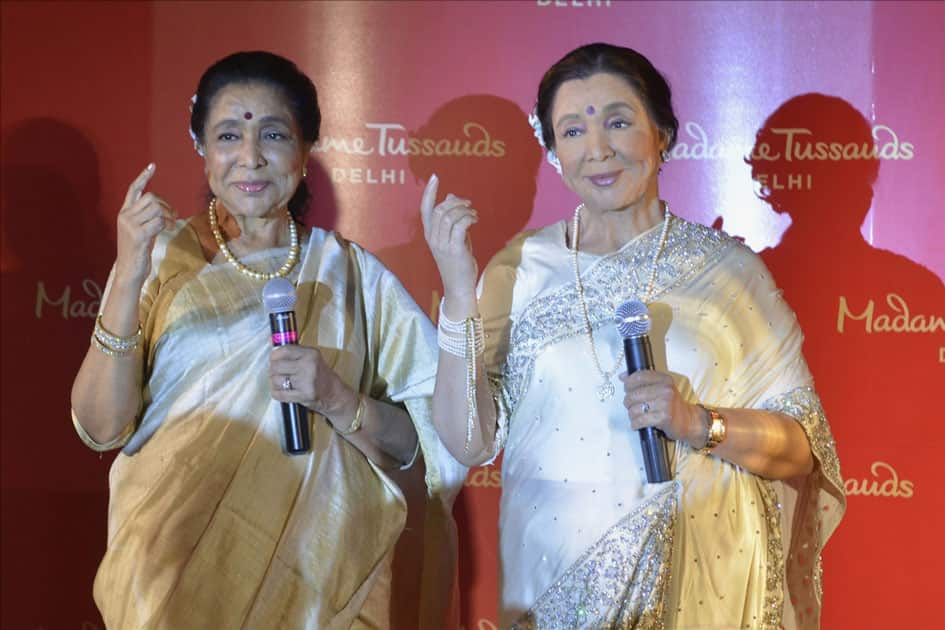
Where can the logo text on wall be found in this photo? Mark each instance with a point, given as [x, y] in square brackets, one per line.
[885, 482]
[797, 146]
[485, 477]
[69, 306]
[899, 319]
[391, 139]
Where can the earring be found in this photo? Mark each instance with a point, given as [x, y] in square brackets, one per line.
[304, 171]
[664, 155]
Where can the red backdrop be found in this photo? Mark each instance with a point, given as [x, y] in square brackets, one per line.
[91, 92]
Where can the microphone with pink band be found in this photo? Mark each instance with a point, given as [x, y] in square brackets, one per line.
[279, 299]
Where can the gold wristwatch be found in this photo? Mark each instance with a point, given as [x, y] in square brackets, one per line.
[716, 426]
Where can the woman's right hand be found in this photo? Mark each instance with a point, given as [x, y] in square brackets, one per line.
[141, 218]
[446, 228]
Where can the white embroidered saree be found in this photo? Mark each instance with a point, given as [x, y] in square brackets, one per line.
[584, 541]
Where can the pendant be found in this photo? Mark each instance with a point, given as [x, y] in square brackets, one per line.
[605, 390]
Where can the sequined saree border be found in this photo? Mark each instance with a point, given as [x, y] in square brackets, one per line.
[803, 405]
[774, 559]
[620, 581]
[552, 318]
[803, 565]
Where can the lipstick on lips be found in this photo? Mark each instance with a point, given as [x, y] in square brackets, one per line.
[604, 179]
[251, 187]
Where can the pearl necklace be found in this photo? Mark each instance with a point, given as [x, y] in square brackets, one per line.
[606, 389]
[281, 272]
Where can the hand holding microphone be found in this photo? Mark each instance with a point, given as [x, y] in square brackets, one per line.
[633, 324]
[279, 300]
[657, 409]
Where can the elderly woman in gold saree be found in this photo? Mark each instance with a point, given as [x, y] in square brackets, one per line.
[531, 363]
[210, 524]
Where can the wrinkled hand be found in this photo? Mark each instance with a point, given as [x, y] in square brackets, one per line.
[314, 383]
[446, 228]
[141, 218]
[652, 400]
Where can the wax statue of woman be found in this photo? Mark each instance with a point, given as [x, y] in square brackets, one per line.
[531, 362]
[211, 524]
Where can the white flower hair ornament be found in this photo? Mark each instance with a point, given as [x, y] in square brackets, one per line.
[197, 146]
[535, 122]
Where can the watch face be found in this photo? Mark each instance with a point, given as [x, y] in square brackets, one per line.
[716, 429]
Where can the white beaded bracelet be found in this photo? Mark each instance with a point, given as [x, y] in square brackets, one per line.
[464, 340]
[453, 336]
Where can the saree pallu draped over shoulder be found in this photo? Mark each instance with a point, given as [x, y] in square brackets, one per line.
[585, 542]
[210, 525]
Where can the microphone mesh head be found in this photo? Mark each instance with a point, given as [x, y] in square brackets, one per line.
[632, 319]
[278, 295]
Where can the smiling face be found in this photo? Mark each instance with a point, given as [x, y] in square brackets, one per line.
[608, 145]
[254, 149]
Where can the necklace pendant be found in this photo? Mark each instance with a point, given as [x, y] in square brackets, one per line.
[605, 390]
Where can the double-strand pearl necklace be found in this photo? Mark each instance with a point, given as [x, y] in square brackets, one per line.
[281, 272]
[606, 389]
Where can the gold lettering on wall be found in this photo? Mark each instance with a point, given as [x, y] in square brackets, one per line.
[799, 145]
[485, 477]
[69, 308]
[899, 320]
[885, 483]
[392, 139]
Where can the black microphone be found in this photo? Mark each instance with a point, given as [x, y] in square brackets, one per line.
[279, 299]
[633, 324]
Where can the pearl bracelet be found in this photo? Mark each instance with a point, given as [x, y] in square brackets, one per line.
[465, 340]
[453, 337]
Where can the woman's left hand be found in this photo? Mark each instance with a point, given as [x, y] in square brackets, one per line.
[652, 400]
[300, 374]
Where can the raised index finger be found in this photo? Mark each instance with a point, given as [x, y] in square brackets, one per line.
[429, 199]
[137, 186]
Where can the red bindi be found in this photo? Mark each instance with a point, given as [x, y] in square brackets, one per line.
[248, 115]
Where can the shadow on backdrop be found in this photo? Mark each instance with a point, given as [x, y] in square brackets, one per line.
[322, 207]
[57, 252]
[871, 338]
[492, 159]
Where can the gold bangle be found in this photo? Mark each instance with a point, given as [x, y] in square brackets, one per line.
[109, 350]
[111, 344]
[115, 342]
[101, 447]
[358, 416]
[716, 429]
[408, 464]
